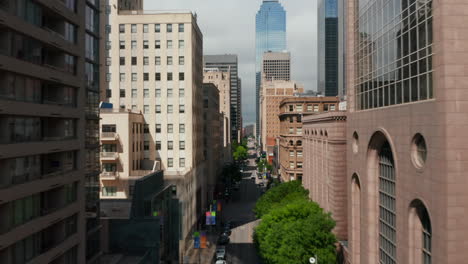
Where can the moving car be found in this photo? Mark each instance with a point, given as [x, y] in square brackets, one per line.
[220, 253]
[223, 239]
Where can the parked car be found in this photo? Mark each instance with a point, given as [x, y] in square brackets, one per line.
[223, 239]
[261, 184]
[221, 253]
[227, 231]
[220, 261]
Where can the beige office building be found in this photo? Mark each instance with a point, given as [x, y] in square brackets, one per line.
[273, 92]
[49, 123]
[155, 66]
[222, 81]
[276, 66]
[407, 156]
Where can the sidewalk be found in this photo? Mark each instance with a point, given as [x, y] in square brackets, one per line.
[202, 255]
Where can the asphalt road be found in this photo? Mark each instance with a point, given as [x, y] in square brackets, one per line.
[241, 249]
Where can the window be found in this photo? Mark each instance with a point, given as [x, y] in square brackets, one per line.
[158, 145]
[291, 130]
[170, 128]
[145, 60]
[145, 93]
[122, 44]
[134, 93]
[169, 28]
[145, 44]
[169, 60]
[332, 107]
[108, 93]
[122, 77]
[134, 77]
[299, 153]
[134, 28]
[291, 108]
[291, 119]
[157, 28]
[145, 145]
[299, 165]
[181, 76]
[146, 109]
[122, 61]
[299, 108]
[157, 44]
[299, 130]
[157, 92]
[108, 77]
[325, 107]
[170, 145]
[157, 60]
[134, 60]
[108, 61]
[181, 109]
[134, 107]
[145, 76]
[291, 153]
[181, 44]
[291, 164]
[121, 28]
[108, 45]
[181, 28]
[107, 29]
[182, 162]
[170, 162]
[158, 76]
[158, 128]
[109, 191]
[316, 108]
[181, 60]
[181, 92]
[169, 92]
[170, 109]
[134, 44]
[181, 128]
[309, 108]
[169, 44]
[169, 76]
[145, 28]
[182, 145]
[122, 93]
[158, 109]
[146, 129]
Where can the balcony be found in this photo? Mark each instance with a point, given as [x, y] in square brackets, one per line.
[109, 136]
[109, 156]
[109, 175]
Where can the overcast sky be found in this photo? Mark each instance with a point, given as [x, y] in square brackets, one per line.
[228, 27]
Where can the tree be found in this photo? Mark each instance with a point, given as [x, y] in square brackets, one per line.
[240, 153]
[294, 232]
[279, 195]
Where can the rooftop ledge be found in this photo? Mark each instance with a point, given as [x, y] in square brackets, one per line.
[155, 12]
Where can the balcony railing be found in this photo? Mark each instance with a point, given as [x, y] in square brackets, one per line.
[109, 175]
[109, 155]
[105, 136]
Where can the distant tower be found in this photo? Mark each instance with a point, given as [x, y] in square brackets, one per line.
[270, 35]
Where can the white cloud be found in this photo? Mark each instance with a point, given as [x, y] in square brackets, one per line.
[228, 27]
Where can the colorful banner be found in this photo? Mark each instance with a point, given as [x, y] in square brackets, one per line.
[213, 218]
[196, 240]
[208, 218]
[203, 240]
[219, 206]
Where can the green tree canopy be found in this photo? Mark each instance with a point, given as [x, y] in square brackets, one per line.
[279, 195]
[295, 232]
[240, 153]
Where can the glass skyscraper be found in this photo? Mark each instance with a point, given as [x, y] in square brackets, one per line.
[270, 35]
[330, 48]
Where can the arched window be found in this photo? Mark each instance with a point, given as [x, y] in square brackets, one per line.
[291, 143]
[387, 206]
[356, 219]
[299, 143]
[420, 232]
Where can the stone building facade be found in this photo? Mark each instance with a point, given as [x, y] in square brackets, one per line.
[292, 110]
[407, 123]
[324, 144]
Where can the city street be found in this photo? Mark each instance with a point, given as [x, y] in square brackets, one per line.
[239, 211]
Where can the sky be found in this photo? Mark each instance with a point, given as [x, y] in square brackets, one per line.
[228, 27]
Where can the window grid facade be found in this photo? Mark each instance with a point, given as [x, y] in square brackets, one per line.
[394, 53]
[387, 207]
